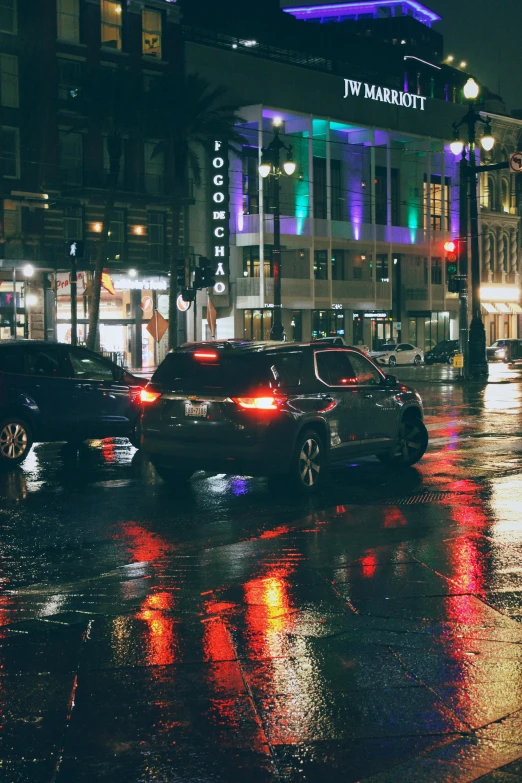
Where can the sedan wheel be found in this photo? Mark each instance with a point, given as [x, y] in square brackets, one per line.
[15, 441]
[411, 444]
[392, 361]
[417, 360]
[308, 462]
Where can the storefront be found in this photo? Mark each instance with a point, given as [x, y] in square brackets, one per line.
[128, 307]
[372, 329]
[501, 311]
[426, 329]
[327, 323]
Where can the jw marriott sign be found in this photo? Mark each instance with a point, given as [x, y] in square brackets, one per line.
[383, 94]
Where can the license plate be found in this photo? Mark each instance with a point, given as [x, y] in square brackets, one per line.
[196, 411]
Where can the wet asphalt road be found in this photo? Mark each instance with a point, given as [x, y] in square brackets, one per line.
[233, 632]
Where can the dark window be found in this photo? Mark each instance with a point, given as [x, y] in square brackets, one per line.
[297, 325]
[116, 244]
[286, 368]
[381, 268]
[240, 373]
[334, 368]
[69, 80]
[156, 237]
[320, 210]
[338, 258]
[251, 264]
[366, 373]
[44, 363]
[436, 271]
[73, 223]
[71, 157]
[12, 360]
[250, 181]
[321, 265]
[405, 347]
[336, 190]
[89, 367]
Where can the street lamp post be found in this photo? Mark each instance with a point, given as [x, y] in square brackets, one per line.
[271, 167]
[477, 363]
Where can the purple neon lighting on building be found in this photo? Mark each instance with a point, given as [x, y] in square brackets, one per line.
[420, 12]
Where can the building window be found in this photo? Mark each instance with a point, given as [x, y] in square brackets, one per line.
[71, 145]
[10, 152]
[490, 194]
[107, 162]
[505, 196]
[111, 23]
[73, 223]
[251, 263]
[250, 181]
[439, 202]
[9, 80]
[381, 196]
[327, 323]
[151, 33]
[8, 16]
[338, 265]
[156, 237]
[258, 324]
[436, 271]
[69, 79]
[68, 20]
[336, 190]
[321, 265]
[381, 268]
[154, 167]
[297, 325]
[320, 210]
[116, 244]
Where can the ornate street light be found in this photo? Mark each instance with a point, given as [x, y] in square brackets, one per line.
[477, 365]
[270, 166]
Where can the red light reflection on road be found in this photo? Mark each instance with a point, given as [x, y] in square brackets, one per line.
[162, 643]
[369, 564]
[142, 544]
[393, 517]
[108, 450]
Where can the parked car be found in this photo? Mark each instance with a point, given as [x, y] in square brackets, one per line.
[443, 352]
[392, 354]
[292, 409]
[507, 350]
[54, 392]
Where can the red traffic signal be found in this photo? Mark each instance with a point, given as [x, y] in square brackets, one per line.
[450, 246]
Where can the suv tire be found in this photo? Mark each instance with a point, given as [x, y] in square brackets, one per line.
[411, 444]
[16, 440]
[308, 462]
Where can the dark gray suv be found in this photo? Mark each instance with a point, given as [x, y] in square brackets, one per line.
[265, 408]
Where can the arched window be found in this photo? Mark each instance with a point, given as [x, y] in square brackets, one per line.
[505, 196]
[490, 195]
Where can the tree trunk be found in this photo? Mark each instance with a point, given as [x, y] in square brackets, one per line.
[114, 148]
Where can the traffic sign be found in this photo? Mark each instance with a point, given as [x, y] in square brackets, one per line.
[515, 163]
[458, 360]
[181, 304]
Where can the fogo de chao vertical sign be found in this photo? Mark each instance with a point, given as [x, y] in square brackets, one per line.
[219, 221]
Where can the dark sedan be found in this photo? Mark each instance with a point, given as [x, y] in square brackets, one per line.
[443, 352]
[54, 392]
[285, 409]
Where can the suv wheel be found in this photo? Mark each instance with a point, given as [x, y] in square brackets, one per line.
[411, 444]
[308, 462]
[15, 441]
[173, 475]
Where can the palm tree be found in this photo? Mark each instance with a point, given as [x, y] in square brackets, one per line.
[112, 100]
[187, 115]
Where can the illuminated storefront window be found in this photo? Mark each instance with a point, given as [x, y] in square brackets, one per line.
[258, 324]
[327, 323]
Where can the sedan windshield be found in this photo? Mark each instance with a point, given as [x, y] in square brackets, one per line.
[498, 344]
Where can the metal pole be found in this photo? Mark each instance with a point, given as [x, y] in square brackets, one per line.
[463, 263]
[13, 329]
[277, 331]
[74, 302]
[478, 363]
[26, 312]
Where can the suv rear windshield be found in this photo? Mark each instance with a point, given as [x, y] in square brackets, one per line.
[229, 373]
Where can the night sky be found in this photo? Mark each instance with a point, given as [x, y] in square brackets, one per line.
[488, 35]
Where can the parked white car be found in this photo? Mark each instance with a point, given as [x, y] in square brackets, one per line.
[404, 353]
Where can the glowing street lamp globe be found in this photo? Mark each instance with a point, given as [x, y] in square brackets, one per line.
[488, 142]
[264, 169]
[289, 167]
[456, 147]
[471, 90]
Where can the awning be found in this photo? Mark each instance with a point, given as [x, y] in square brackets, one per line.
[515, 308]
[502, 308]
[489, 308]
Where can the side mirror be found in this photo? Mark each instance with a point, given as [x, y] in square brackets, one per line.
[390, 380]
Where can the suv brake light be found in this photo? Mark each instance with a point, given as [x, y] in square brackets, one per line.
[146, 395]
[258, 403]
[203, 355]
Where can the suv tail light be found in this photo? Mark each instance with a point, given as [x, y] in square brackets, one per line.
[259, 403]
[146, 395]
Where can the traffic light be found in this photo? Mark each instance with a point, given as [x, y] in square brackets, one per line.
[188, 294]
[181, 275]
[208, 275]
[198, 278]
[452, 266]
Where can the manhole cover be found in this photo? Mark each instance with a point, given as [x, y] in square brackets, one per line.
[426, 497]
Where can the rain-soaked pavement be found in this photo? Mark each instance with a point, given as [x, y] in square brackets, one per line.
[231, 632]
